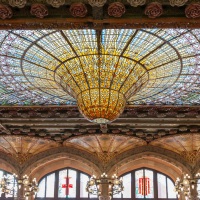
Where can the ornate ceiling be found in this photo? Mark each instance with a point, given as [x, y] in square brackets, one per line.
[23, 147]
[33, 64]
[37, 114]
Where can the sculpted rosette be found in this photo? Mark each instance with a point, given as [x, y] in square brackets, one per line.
[97, 3]
[136, 3]
[39, 10]
[154, 10]
[78, 10]
[177, 2]
[193, 10]
[116, 9]
[17, 3]
[56, 3]
[5, 12]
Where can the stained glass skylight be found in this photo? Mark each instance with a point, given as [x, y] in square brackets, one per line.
[33, 63]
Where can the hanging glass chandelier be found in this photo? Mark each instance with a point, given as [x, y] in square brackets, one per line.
[101, 83]
[12, 185]
[188, 187]
[104, 187]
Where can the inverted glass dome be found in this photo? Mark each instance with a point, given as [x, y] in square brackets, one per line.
[100, 71]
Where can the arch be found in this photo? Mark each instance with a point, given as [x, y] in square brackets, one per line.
[63, 183]
[8, 163]
[152, 157]
[55, 159]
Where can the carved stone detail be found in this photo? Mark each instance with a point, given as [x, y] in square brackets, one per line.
[116, 9]
[154, 10]
[193, 11]
[39, 10]
[177, 2]
[136, 3]
[5, 12]
[78, 10]
[191, 156]
[17, 3]
[56, 3]
[97, 3]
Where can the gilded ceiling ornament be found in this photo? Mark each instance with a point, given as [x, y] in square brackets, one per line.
[56, 3]
[136, 3]
[154, 10]
[116, 9]
[39, 10]
[97, 3]
[78, 10]
[177, 2]
[5, 12]
[17, 3]
[192, 10]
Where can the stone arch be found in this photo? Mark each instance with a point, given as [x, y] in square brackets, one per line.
[152, 157]
[58, 158]
[8, 163]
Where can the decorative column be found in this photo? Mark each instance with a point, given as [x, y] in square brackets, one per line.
[104, 186]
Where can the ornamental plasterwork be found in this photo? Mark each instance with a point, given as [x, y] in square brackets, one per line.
[17, 3]
[136, 3]
[183, 144]
[23, 147]
[192, 156]
[177, 2]
[97, 3]
[56, 3]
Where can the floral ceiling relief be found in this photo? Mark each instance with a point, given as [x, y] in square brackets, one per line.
[105, 146]
[186, 145]
[29, 60]
[24, 147]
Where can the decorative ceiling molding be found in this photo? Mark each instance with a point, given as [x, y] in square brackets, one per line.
[186, 145]
[60, 123]
[90, 23]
